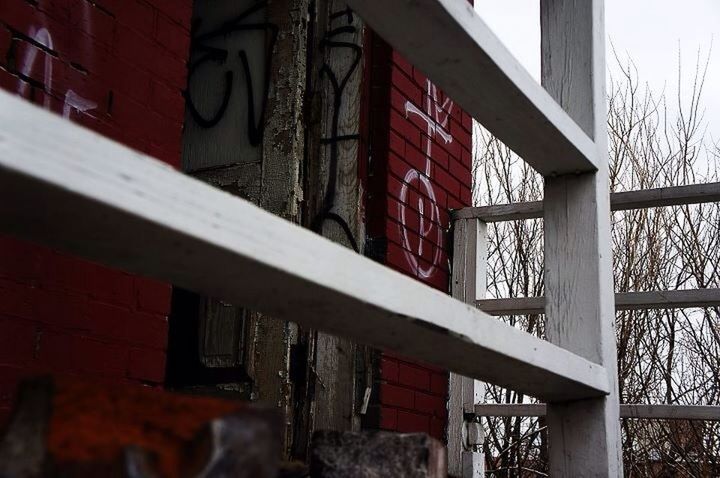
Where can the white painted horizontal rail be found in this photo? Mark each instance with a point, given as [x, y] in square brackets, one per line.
[640, 411]
[668, 299]
[660, 197]
[449, 42]
[67, 187]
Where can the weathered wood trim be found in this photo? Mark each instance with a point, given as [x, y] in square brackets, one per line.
[512, 306]
[448, 41]
[264, 166]
[665, 299]
[468, 282]
[583, 436]
[648, 198]
[75, 190]
[501, 212]
[639, 411]
[334, 194]
[283, 148]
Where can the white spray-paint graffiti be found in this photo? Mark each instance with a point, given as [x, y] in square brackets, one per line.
[436, 127]
[72, 101]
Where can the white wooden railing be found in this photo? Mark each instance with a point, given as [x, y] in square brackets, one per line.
[469, 276]
[69, 188]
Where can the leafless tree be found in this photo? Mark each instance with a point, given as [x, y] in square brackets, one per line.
[668, 356]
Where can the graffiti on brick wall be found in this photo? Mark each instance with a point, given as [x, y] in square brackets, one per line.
[72, 100]
[435, 116]
[336, 39]
[228, 80]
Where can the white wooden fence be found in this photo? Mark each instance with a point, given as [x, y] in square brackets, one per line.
[469, 275]
[72, 189]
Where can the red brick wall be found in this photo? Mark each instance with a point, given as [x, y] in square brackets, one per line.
[117, 67]
[420, 170]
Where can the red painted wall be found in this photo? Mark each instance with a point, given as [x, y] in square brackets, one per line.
[420, 165]
[117, 67]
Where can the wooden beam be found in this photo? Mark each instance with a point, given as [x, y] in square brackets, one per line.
[671, 412]
[69, 188]
[640, 411]
[512, 306]
[670, 196]
[333, 190]
[468, 282]
[659, 197]
[666, 299]
[501, 212]
[584, 435]
[448, 41]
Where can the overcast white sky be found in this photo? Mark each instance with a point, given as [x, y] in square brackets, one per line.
[649, 31]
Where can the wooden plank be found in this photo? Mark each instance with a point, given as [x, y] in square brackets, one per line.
[670, 196]
[448, 41]
[501, 212]
[671, 412]
[583, 436]
[668, 299]
[283, 150]
[639, 411]
[647, 198]
[248, 152]
[72, 189]
[468, 282]
[665, 299]
[333, 197]
[512, 306]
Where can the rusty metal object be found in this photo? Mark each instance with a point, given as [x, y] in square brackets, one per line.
[70, 428]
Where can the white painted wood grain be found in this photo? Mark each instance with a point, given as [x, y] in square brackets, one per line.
[663, 299]
[647, 198]
[639, 411]
[449, 42]
[468, 283]
[67, 187]
[583, 436]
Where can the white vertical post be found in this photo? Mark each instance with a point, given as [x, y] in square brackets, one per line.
[584, 436]
[465, 438]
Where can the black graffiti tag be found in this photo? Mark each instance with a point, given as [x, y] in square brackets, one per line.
[219, 56]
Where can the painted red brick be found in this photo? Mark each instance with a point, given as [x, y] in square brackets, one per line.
[389, 370]
[178, 11]
[5, 39]
[152, 295]
[136, 14]
[110, 286]
[17, 338]
[431, 405]
[92, 21]
[397, 144]
[437, 428]
[396, 396]
[62, 352]
[147, 365]
[127, 58]
[15, 299]
[10, 375]
[404, 149]
[172, 36]
[167, 101]
[388, 419]
[410, 422]
[18, 14]
[21, 262]
[439, 383]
